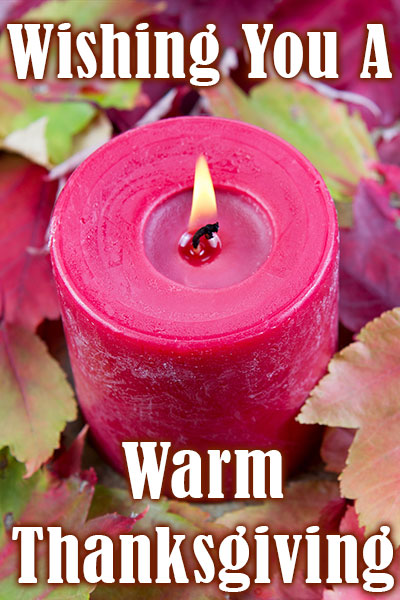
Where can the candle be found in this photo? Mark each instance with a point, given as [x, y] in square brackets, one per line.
[164, 346]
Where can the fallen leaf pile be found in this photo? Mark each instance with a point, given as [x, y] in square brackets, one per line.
[349, 128]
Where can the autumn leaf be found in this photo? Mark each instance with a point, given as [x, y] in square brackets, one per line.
[301, 507]
[335, 447]
[45, 501]
[154, 592]
[70, 461]
[350, 525]
[12, 10]
[42, 122]
[308, 502]
[362, 391]
[42, 119]
[276, 590]
[377, 99]
[357, 304]
[336, 142]
[363, 383]
[15, 491]
[372, 475]
[36, 399]
[355, 592]
[347, 592]
[48, 501]
[53, 124]
[26, 279]
[370, 251]
[389, 147]
[305, 503]
[123, 13]
[192, 16]
[120, 94]
[181, 518]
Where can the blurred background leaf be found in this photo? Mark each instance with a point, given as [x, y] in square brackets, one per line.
[337, 143]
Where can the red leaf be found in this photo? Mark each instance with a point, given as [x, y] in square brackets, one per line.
[192, 16]
[389, 149]
[332, 514]
[69, 462]
[298, 590]
[312, 502]
[53, 503]
[26, 280]
[349, 525]
[349, 20]
[11, 10]
[370, 252]
[335, 448]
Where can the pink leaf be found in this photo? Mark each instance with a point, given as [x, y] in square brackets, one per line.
[361, 391]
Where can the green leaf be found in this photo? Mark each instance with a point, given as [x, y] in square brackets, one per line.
[119, 94]
[56, 124]
[64, 121]
[181, 517]
[155, 592]
[337, 143]
[45, 500]
[57, 111]
[302, 506]
[15, 489]
[362, 391]
[61, 122]
[68, 592]
[308, 502]
[81, 13]
[305, 504]
[36, 399]
[11, 590]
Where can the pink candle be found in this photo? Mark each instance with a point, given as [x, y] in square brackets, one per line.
[220, 354]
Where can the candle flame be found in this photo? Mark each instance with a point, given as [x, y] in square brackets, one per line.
[204, 205]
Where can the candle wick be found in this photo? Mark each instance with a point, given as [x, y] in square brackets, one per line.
[208, 232]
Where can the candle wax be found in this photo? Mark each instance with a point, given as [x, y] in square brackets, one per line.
[220, 355]
[245, 234]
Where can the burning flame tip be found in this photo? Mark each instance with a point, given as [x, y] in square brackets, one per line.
[204, 205]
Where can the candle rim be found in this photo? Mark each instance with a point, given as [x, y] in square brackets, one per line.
[282, 312]
[220, 189]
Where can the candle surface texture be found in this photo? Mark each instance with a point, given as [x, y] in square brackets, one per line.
[215, 355]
